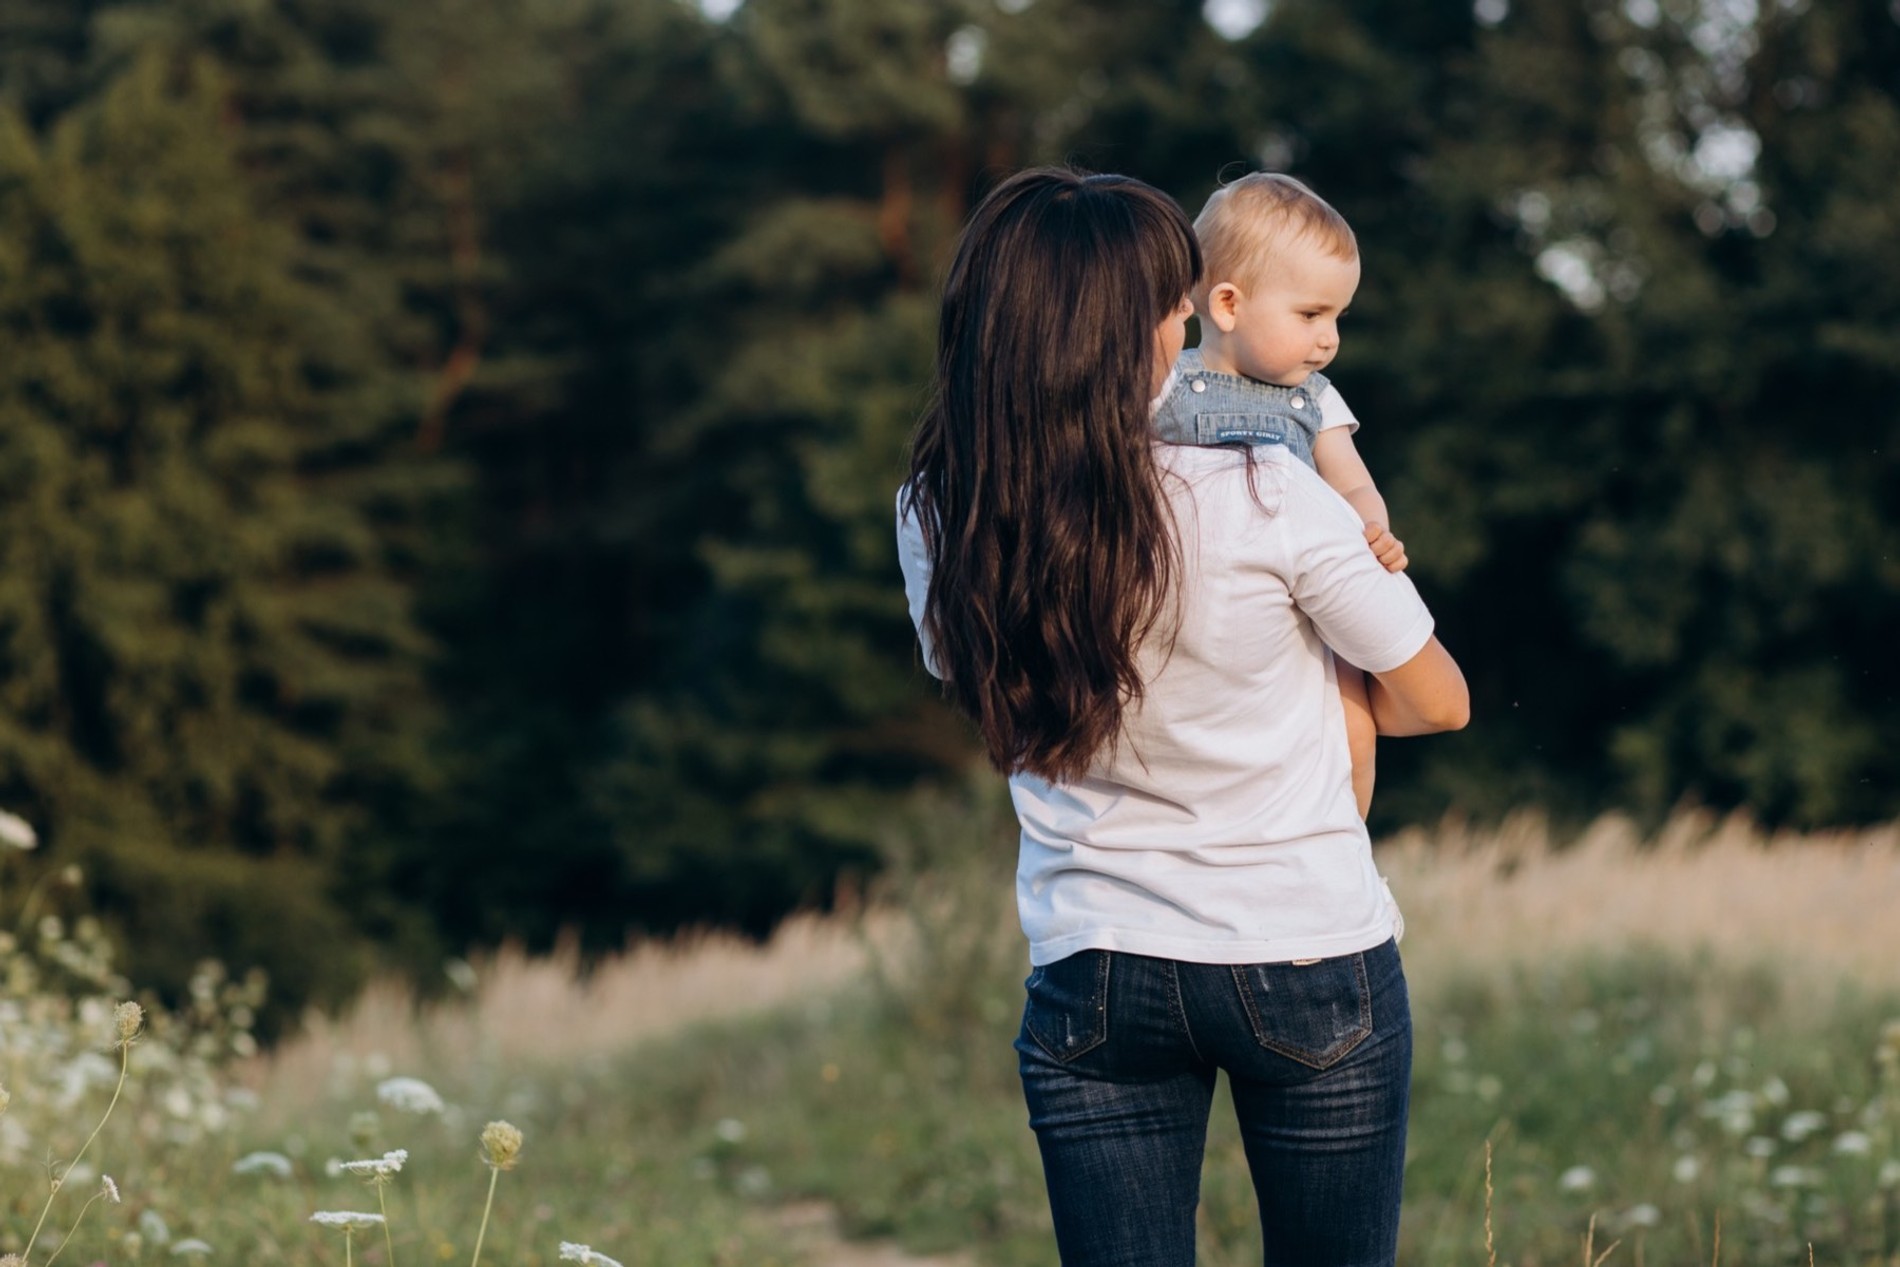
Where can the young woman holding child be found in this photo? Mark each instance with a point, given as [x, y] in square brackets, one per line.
[1141, 631]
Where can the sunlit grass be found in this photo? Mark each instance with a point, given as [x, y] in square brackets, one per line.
[1648, 1035]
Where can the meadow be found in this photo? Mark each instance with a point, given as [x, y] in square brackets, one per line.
[1651, 1036]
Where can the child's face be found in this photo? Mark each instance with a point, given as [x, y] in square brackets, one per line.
[1289, 325]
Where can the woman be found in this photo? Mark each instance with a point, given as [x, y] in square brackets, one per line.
[1140, 633]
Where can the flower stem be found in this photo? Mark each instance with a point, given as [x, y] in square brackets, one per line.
[349, 1234]
[383, 1205]
[73, 1231]
[494, 1174]
[125, 1060]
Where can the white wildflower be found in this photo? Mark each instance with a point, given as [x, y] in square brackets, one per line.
[152, 1224]
[1798, 1126]
[1775, 1092]
[1577, 1179]
[409, 1095]
[192, 1246]
[16, 832]
[109, 1188]
[1793, 1177]
[730, 1130]
[1644, 1215]
[1687, 1167]
[1889, 1050]
[1735, 1110]
[263, 1163]
[1759, 1146]
[348, 1220]
[377, 1167]
[128, 1018]
[461, 975]
[1889, 1174]
[572, 1253]
[1853, 1143]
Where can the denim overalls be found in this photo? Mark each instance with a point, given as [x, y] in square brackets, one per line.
[1208, 408]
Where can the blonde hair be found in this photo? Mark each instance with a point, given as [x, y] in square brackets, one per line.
[1246, 224]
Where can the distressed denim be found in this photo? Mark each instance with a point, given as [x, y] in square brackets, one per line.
[1118, 1055]
[1202, 407]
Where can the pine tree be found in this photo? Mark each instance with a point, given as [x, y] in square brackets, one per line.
[212, 666]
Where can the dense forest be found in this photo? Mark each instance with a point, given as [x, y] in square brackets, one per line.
[446, 448]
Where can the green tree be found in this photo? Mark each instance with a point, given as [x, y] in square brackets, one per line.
[212, 668]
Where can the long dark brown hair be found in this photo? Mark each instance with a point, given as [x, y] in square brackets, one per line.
[1032, 474]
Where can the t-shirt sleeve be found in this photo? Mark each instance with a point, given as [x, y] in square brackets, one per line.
[1334, 412]
[915, 561]
[1369, 616]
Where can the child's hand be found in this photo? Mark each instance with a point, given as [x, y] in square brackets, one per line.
[1386, 548]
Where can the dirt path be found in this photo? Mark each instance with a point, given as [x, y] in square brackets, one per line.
[812, 1228]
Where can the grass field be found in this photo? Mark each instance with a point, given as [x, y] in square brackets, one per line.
[1651, 1035]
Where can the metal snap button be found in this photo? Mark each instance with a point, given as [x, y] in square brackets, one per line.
[1198, 385]
[1299, 402]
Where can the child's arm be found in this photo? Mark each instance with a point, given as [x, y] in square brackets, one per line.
[1340, 465]
[1362, 732]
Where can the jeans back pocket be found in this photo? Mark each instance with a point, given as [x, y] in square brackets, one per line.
[1314, 1013]
[1067, 1010]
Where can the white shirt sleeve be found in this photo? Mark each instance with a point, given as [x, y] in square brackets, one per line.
[1369, 616]
[1334, 412]
[915, 560]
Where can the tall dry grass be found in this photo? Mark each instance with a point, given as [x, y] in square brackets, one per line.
[1504, 897]
[526, 1010]
[1826, 905]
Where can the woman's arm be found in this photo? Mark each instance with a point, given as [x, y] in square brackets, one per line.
[1369, 616]
[1423, 696]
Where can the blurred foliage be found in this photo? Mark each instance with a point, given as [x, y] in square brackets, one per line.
[446, 448]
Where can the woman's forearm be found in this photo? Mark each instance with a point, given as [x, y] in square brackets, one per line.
[1423, 696]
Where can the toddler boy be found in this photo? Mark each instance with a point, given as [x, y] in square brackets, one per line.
[1281, 269]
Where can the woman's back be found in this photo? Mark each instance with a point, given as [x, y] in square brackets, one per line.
[1222, 827]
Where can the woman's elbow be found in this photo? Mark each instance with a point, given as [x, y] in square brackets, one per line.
[1453, 713]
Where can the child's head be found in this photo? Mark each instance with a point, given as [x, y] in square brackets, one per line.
[1281, 266]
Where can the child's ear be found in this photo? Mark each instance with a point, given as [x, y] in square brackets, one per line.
[1223, 307]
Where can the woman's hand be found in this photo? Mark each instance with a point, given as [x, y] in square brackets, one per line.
[1423, 696]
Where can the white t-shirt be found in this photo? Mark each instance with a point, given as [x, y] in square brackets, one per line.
[1223, 828]
[1334, 412]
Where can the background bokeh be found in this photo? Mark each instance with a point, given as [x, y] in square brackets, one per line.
[446, 448]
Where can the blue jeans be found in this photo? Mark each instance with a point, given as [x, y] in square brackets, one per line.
[1118, 1056]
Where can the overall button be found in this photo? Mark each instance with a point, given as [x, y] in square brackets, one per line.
[1298, 402]
[1196, 384]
